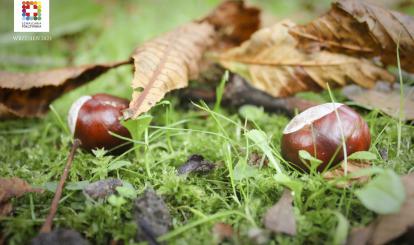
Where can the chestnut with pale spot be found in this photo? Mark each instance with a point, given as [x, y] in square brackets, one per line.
[91, 118]
[317, 130]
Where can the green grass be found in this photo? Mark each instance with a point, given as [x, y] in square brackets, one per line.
[36, 149]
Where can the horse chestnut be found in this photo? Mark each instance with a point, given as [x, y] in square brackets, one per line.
[91, 118]
[317, 130]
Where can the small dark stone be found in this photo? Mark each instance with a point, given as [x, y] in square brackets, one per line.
[383, 153]
[196, 164]
[59, 237]
[152, 216]
[102, 188]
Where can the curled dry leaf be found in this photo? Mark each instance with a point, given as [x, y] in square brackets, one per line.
[234, 23]
[102, 188]
[353, 167]
[152, 216]
[196, 164]
[386, 228]
[166, 63]
[358, 28]
[272, 63]
[29, 94]
[10, 188]
[383, 97]
[280, 218]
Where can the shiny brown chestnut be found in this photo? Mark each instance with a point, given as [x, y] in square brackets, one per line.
[91, 118]
[317, 130]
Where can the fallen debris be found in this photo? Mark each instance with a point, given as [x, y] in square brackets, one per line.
[102, 188]
[222, 231]
[10, 188]
[152, 217]
[239, 92]
[58, 237]
[353, 167]
[386, 228]
[384, 97]
[196, 164]
[280, 218]
[29, 94]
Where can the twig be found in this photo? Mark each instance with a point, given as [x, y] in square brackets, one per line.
[47, 226]
[238, 92]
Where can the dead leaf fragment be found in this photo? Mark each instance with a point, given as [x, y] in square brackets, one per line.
[388, 227]
[359, 28]
[102, 188]
[10, 188]
[353, 167]
[14, 187]
[272, 63]
[29, 94]
[222, 231]
[384, 98]
[258, 236]
[234, 23]
[166, 63]
[280, 218]
[152, 216]
[195, 164]
[359, 236]
[256, 159]
[5, 208]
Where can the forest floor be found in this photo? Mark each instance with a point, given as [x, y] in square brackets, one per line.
[36, 149]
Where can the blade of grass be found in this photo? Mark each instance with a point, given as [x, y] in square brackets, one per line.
[185, 228]
[401, 112]
[341, 130]
[220, 91]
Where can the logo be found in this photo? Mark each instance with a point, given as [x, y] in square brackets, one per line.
[31, 16]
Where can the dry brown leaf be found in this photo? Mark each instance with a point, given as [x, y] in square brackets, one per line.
[280, 218]
[10, 188]
[383, 97]
[14, 187]
[358, 28]
[359, 236]
[29, 94]
[166, 63]
[272, 63]
[234, 23]
[222, 231]
[353, 167]
[391, 226]
[5, 208]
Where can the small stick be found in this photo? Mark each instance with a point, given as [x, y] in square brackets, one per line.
[47, 226]
[239, 92]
